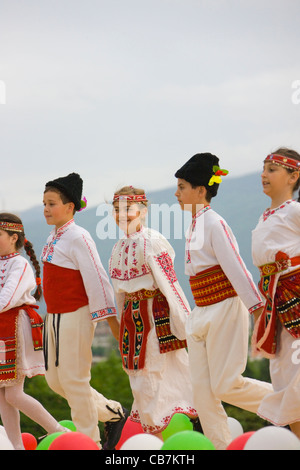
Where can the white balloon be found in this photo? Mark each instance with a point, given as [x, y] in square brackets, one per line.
[2, 431]
[273, 438]
[142, 442]
[5, 443]
[235, 427]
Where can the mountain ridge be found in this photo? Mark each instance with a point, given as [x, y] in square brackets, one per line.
[240, 201]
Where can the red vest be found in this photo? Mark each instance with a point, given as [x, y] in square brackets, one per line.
[63, 289]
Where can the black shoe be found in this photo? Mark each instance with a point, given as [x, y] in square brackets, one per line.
[113, 429]
[197, 425]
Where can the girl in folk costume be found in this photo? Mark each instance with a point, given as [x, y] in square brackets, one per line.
[224, 293]
[78, 294]
[21, 352]
[276, 252]
[153, 312]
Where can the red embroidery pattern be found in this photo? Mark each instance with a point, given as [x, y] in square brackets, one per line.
[269, 212]
[48, 249]
[132, 273]
[134, 416]
[166, 263]
[211, 286]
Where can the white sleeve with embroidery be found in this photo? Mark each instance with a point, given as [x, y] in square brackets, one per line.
[160, 258]
[96, 282]
[120, 299]
[18, 283]
[227, 253]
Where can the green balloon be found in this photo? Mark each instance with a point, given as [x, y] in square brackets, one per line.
[179, 422]
[188, 440]
[45, 443]
[66, 423]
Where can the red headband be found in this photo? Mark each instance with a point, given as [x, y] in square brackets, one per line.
[11, 227]
[286, 162]
[130, 197]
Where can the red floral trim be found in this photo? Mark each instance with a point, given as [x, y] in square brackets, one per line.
[132, 273]
[165, 262]
[134, 416]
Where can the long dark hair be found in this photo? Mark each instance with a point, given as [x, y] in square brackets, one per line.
[23, 242]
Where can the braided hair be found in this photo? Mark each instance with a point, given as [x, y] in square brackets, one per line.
[22, 242]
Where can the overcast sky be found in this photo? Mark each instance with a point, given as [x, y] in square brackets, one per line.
[125, 91]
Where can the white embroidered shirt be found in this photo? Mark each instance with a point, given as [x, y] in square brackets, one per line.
[72, 247]
[277, 230]
[210, 242]
[144, 260]
[16, 282]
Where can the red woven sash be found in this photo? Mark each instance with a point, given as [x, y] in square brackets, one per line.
[281, 263]
[281, 292]
[211, 286]
[135, 327]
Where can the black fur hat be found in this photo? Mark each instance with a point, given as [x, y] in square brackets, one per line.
[70, 186]
[198, 171]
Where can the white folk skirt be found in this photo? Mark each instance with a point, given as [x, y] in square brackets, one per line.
[163, 387]
[29, 361]
[283, 406]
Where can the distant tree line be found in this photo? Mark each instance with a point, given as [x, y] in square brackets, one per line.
[109, 378]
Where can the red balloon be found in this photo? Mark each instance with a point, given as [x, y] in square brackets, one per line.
[29, 441]
[73, 441]
[239, 442]
[130, 429]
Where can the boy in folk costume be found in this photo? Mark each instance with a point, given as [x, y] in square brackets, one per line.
[78, 295]
[276, 252]
[224, 293]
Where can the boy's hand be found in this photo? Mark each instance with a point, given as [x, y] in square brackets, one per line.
[257, 313]
[114, 326]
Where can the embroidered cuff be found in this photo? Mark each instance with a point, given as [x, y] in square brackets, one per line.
[256, 307]
[103, 314]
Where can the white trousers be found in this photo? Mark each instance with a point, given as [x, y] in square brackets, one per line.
[217, 338]
[72, 333]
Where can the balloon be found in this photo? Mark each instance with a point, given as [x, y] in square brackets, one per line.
[66, 423]
[142, 442]
[5, 443]
[179, 422]
[239, 442]
[130, 429]
[45, 443]
[29, 441]
[273, 438]
[73, 441]
[235, 427]
[2, 431]
[188, 440]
